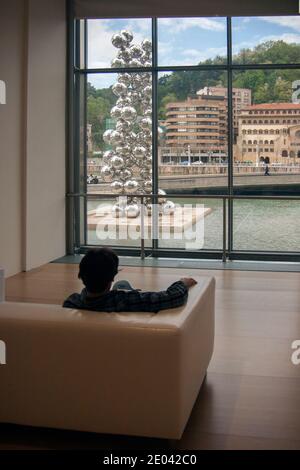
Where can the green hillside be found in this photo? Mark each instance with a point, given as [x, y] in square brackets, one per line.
[268, 86]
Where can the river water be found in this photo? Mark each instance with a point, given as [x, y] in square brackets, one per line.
[262, 225]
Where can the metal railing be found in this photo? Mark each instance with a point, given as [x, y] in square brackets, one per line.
[226, 199]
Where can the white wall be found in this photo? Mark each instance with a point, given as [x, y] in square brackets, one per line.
[45, 188]
[12, 39]
[32, 133]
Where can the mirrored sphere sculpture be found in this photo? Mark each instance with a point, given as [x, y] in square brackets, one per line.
[128, 165]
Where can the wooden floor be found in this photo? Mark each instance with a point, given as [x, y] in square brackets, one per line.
[251, 398]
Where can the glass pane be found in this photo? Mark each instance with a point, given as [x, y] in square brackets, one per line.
[266, 161]
[190, 41]
[266, 225]
[194, 224]
[266, 40]
[267, 132]
[192, 151]
[119, 43]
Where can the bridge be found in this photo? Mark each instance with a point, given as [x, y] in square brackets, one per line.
[183, 183]
[198, 177]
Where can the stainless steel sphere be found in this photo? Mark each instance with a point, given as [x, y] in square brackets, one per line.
[149, 208]
[117, 187]
[160, 132]
[107, 173]
[136, 51]
[123, 150]
[127, 35]
[168, 207]
[131, 186]
[147, 45]
[136, 81]
[107, 135]
[123, 126]
[118, 63]
[107, 156]
[116, 112]
[139, 152]
[119, 89]
[124, 54]
[123, 101]
[132, 211]
[147, 93]
[124, 78]
[147, 185]
[145, 173]
[128, 113]
[117, 211]
[134, 97]
[119, 40]
[117, 162]
[145, 123]
[125, 174]
[162, 200]
[135, 63]
[115, 138]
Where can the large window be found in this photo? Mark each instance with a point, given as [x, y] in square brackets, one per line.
[200, 117]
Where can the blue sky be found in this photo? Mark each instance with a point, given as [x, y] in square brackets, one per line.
[186, 41]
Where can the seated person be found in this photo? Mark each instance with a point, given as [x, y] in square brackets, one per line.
[97, 270]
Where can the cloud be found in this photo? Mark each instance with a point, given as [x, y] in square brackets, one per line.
[181, 24]
[164, 48]
[100, 50]
[201, 55]
[286, 37]
[292, 22]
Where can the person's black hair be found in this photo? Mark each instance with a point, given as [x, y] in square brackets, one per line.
[98, 268]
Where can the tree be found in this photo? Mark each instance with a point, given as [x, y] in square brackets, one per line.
[266, 85]
[171, 97]
[98, 109]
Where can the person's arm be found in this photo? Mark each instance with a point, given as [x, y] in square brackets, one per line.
[175, 296]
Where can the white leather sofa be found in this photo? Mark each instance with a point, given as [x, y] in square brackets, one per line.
[129, 373]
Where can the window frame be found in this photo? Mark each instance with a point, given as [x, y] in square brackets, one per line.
[77, 195]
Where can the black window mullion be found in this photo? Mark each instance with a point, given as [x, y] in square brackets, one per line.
[230, 133]
[155, 215]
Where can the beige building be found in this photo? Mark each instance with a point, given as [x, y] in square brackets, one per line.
[196, 128]
[270, 133]
[241, 97]
[89, 138]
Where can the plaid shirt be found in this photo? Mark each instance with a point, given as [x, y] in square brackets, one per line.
[130, 301]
